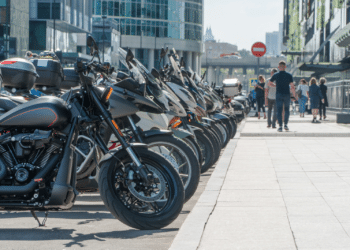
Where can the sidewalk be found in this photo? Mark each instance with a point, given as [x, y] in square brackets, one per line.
[276, 193]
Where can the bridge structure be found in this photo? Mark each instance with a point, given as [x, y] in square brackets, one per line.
[214, 66]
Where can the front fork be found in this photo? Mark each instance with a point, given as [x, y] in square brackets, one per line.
[140, 168]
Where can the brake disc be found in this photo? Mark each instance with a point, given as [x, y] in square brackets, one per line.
[154, 196]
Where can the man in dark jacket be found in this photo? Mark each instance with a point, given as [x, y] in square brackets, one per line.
[284, 84]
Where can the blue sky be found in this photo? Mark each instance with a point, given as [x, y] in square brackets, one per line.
[242, 22]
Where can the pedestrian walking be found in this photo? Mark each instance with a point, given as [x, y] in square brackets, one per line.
[284, 85]
[254, 101]
[315, 98]
[260, 95]
[303, 88]
[323, 106]
[270, 95]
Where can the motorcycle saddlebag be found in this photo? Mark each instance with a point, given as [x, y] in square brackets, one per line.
[18, 74]
[50, 72]
[231, 87]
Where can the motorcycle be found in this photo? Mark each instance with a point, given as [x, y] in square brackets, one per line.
[37, 161]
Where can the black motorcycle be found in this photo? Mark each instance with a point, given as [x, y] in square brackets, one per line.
[38, 167]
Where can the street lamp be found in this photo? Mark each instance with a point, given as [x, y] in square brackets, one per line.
[103, 37]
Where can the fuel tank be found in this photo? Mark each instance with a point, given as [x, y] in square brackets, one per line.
[42, 113]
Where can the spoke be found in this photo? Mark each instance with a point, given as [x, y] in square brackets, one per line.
[183, 175]
[171, 151]
[183, 164]
[160, 150]
[154, 206]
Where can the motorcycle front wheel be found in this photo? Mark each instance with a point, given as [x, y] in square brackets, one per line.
[141, 206]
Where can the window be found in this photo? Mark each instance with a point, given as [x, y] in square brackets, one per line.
[56, 11]
[37, 35]
[43, 10]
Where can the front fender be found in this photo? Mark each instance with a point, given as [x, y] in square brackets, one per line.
[208, 121]
[220, 116]
[156, 132]
[119, 151]
[181, 133]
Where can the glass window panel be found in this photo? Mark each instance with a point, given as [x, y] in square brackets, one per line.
[116, 9]
[56, 11]
[110, 8]
[43, 10]
[98, 7]
[122, 9]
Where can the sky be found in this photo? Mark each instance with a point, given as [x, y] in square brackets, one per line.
[242, 22]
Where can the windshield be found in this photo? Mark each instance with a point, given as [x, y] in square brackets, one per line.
[177, 71]
[136, 74]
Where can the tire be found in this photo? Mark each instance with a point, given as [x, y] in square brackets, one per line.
[212, 138]
[195, 147]
[229, 127]
[191, 169]
[216, 144]
[221, 129]
[207, 150]
[113, 192]
[234, 125]
[218, 134]
[224, 130]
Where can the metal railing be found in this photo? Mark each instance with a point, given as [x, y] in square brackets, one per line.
[338, 95]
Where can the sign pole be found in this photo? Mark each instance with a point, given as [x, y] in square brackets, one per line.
[257, 73]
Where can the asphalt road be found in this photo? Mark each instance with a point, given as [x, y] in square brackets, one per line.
[88, 225]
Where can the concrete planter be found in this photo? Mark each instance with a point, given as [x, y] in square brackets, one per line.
[343, 118]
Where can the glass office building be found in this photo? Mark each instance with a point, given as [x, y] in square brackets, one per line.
[14, 28]
[148, 25]
[59, 24]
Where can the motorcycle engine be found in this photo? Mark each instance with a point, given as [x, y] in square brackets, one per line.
[23, 155]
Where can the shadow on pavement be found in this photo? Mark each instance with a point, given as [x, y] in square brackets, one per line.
[43, 234]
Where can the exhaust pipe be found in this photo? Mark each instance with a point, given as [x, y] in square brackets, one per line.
[23, 190]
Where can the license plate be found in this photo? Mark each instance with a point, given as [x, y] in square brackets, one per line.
[238, 112]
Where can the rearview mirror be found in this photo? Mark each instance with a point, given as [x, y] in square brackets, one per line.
[155, 73]
[182, 62]
[163, 52]
[184, 73]
[129, 56]
[91, 43]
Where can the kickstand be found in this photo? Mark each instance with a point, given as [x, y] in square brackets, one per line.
[37, 219]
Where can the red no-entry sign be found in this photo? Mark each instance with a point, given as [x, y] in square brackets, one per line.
[258, 49]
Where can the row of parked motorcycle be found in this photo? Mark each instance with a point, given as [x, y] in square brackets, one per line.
[140, 138]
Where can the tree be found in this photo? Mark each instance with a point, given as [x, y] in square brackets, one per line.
[245, 53]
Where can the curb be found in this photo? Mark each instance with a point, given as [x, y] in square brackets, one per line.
[295, 134]
[191, 231]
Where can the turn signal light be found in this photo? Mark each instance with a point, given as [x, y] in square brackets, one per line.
[107, 94]
[117, 127]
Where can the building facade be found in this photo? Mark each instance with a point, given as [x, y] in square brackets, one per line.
[146, 26]
[316, 33]
[14, 28]
[59, 25]
[107, 36]
[272, 42]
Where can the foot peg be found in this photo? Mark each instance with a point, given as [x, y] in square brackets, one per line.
[41, 224]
